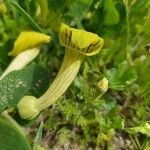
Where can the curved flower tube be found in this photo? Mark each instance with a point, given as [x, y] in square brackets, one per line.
[26, 48]
[21, 60]
[78, 43]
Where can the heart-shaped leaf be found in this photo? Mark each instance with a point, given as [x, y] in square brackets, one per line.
[32, 80]
[11, 138]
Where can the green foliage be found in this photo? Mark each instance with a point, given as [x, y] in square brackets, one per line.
[83, 117]
[144, 129]
[121, 77]
[27, 17]
[32, 80]
[64, 135]
[11, 138]
[111, 13]
[77, 11]
[38, 138]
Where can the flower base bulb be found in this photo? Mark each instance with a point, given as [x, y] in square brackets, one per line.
[27, 107]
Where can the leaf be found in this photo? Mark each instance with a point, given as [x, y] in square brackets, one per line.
[111, 13]
[32, 80]
[77, 10]
[55, 12]
[144, 129]
[11, 138]
[121, 77]
[1, 71]
[4, 59]
[38, 138]
[27, 17]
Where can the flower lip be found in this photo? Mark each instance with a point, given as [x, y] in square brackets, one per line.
[85, 42]
[28, 40]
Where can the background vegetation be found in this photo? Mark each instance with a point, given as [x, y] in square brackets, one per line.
[84, 117]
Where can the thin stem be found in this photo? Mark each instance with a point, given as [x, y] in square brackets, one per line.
[27, 16]
[137, 141]
[66, 75]
[139, 37]
[44, 8]
[12, 121]
[128, 53]
[135, 144]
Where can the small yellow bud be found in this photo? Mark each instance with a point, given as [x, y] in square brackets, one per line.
[28, 40]
[85, 42]
[27, 107]
[103, 85]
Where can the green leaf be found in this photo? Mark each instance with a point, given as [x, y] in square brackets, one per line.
[121, 77]
[111, 13]
[55, 12]
[77, 11]
[38, 138]
[32, 80]
[27, 17]
[11, 138]
[1, 71]
[144, 129]
[4, 59]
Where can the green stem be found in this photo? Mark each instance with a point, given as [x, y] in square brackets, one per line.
[13, 122]
[44, 9]
[135, 144]
[27, 16]
[66, 75]
[137, 141]
[128, 53]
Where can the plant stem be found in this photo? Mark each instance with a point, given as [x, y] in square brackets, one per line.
[128, 53]
[13, 122]
[44, 9]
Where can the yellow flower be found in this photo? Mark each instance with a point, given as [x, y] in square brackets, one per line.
[85, 42]
[78, 43]
[27, 40]
[103, 85]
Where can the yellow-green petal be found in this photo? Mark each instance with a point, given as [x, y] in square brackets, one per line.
[27, 40]
[85, 42]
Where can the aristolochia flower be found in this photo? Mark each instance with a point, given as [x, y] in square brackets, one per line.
[26, 48]
[78, 43]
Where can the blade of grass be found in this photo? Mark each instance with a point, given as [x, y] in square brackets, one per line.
[38, 138]
[27, 17]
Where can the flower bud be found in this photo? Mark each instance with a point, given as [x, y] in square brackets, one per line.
[103, 85]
